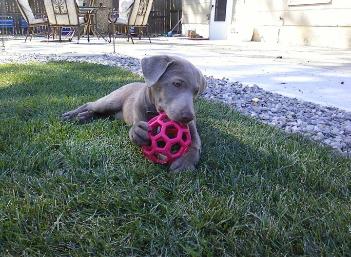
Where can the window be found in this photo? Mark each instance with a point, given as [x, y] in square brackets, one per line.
[220, 10]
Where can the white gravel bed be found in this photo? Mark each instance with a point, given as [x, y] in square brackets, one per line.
[328, 125]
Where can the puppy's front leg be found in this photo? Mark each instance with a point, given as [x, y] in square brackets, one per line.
[191, 158]
[105, 106]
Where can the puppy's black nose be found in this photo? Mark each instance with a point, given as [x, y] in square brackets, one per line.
[186, 117]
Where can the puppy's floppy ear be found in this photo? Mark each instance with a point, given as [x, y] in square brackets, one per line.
[202, 83]
[154, 67]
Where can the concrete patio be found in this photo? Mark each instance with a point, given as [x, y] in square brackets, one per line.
[318, 75]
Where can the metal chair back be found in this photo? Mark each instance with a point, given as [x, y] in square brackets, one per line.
[62, 12]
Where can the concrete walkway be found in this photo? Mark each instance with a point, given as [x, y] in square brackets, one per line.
[318, 75]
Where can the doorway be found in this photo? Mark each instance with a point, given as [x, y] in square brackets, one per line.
[221, 11]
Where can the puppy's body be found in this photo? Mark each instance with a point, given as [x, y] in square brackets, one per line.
[171, 85]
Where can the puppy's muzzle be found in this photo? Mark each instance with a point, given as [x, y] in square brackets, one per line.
[186, 117]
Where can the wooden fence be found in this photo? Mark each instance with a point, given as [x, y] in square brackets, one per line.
[9, 10]
[163, 17]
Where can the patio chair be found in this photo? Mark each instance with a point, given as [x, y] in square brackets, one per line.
[133, 14]
[31, 20]
[64, 13]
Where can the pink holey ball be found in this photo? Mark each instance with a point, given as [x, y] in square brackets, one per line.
[169, 140]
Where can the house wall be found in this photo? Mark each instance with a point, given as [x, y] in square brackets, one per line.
[195, 16]
[324, 23]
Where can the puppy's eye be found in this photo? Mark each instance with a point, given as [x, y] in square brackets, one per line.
[177, 84]
[196, 91]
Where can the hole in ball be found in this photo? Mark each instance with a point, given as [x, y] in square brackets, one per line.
[171, 131]
[161, 144]
[175, 148]
[156, 130]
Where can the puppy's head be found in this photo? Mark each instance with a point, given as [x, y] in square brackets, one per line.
[174, 83]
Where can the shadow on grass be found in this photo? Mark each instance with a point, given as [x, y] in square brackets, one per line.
[236, 144]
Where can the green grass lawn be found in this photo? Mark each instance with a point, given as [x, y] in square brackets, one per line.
[85, 190]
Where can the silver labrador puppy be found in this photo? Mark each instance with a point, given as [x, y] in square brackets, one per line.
[171, 85]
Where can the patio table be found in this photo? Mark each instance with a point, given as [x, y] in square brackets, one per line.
[89, 13]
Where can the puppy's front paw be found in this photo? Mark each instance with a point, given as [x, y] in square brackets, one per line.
[186, 162]
[139, 133]
[81, 114]
[71, 115]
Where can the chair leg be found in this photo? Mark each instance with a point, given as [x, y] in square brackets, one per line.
[147, 32]
[31, 34]
[126, 32]
[114, 38]
[78, 34]
[27, 34]
[131, 37]
[110, 29]
[89, 34]
[48, 32]
[60, 34]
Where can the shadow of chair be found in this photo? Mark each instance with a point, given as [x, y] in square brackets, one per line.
[64, 13]
[31, 20]
[132, 14]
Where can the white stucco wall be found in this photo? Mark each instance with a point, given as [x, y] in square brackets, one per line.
[295, 22]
